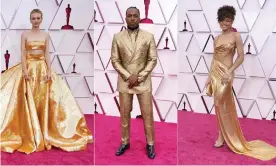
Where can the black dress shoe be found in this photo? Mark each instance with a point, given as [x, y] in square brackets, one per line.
[150, 151]
[122, 149]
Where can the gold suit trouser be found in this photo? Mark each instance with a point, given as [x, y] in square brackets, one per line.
[145, 103]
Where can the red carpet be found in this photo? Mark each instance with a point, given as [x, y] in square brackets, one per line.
[53, 156]
[198, 132]
[108, 140]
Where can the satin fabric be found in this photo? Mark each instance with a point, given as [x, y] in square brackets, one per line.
[39, 114]
[145, 103]
[134, 54]
[226, 111]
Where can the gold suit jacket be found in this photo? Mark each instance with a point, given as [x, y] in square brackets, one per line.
[139, 60]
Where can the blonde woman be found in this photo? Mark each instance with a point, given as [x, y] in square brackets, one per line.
[37, 108]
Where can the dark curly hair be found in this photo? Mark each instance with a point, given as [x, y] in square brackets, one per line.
[226, 12]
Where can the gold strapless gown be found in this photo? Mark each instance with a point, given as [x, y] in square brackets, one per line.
[226, 111]
[35, 114]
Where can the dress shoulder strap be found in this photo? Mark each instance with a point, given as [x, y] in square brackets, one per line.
[216, 39]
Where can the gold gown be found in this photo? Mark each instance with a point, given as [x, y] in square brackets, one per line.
[226, 111]
[36, 114]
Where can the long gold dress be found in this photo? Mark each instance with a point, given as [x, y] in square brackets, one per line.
[39, 114]
[226, 111]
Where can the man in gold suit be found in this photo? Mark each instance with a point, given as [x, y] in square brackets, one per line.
[134, 56]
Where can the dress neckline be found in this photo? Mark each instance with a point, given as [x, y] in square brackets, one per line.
[35, 41]
[232, 43]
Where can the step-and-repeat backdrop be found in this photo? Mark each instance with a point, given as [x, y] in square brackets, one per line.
[110, 19]
[254, 87]
[71, 47]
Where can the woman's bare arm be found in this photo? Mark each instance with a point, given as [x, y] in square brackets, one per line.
[240, 53]
[47, 55]
[23, 53]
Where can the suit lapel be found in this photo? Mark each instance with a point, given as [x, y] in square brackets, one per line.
[139, 42]
[138, 45]
[127, 41]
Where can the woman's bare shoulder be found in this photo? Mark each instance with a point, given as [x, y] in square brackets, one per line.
[46, 34]
[25, 33]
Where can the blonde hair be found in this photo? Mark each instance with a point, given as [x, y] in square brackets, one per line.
[36, 11]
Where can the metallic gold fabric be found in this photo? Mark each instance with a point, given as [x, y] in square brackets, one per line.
[145, 102]
[209, 90]
[135, 53]
[138, 59]
[125, 109]
[36, 114]
[226, 112]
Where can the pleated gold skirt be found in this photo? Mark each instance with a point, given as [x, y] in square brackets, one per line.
[39, 114]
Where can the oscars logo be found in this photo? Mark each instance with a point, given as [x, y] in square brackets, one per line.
[95, 105]
[74, 68]
[249, 46]
[185, 26]
[274, 114]
[234, 30]
[68, 13]
[95, 19]
[7, 59]
[184, 108]
[146, 20]
[167, 39]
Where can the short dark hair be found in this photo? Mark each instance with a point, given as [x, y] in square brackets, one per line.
[133, 7]
[226, 12]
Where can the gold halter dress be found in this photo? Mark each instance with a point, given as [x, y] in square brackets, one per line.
[226, 111]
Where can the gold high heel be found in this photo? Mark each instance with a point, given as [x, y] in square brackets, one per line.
[218, 145]
[220, 141]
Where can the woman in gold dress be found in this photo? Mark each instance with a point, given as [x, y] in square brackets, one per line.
[38, 110]
[219, 85]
